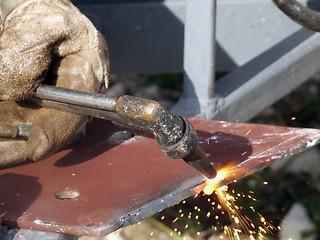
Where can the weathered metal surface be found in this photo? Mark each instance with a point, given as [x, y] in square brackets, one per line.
[106, 182]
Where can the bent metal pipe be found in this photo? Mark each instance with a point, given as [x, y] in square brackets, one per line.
[175, 136]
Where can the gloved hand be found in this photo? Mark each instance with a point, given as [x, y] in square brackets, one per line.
[44, 41]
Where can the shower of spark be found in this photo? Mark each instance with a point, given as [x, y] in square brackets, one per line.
[241, 223]
[221, 212]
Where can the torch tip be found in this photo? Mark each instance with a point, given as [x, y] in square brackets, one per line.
[199, 161]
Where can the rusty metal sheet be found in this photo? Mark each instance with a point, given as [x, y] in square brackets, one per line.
[99, 185]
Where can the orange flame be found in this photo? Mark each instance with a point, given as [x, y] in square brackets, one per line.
[212, 184]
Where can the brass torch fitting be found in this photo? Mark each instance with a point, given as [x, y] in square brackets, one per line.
[175, 135]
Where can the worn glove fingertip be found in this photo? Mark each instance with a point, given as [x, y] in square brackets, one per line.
[38, 144]
[12, 152]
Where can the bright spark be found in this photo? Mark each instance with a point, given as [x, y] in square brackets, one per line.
[176, 219]
[212, 184]
[241, 224]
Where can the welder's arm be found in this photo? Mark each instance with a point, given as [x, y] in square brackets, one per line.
[44, 41]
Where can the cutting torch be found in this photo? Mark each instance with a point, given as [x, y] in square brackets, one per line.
[175, 136]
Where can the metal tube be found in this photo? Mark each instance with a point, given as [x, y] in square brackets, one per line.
[84, 99]
[302, 15]
[175, 135]
[92, 112]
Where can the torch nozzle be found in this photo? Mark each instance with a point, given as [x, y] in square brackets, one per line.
[198, 160]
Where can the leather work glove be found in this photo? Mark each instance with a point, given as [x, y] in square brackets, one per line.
[44, 41]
